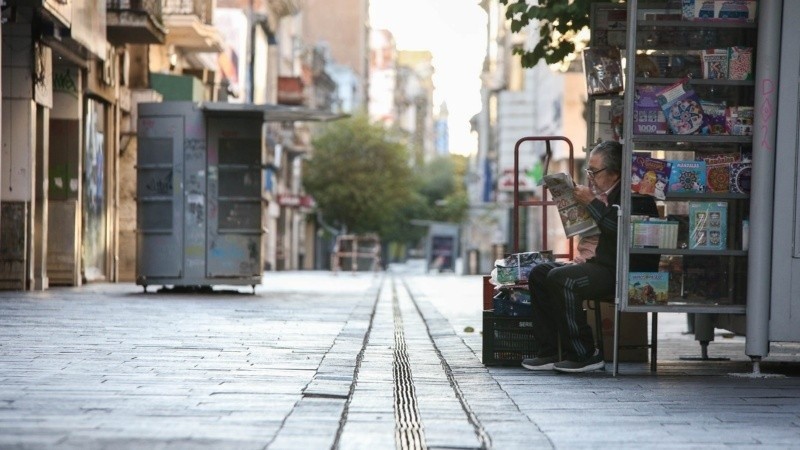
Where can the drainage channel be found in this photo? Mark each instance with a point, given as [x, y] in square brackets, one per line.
[482, 436]
[409, 434]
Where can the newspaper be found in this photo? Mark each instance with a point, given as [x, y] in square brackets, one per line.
[574, 216]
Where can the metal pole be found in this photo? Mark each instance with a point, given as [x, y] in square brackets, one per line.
[759, 270]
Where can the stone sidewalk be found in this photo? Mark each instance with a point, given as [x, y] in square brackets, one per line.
[316, 360]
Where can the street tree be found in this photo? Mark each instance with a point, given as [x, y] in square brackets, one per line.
[558, 21]
[441, 183]
[358, 175]
[438, 194]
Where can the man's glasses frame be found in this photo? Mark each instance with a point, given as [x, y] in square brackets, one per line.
[592, 173]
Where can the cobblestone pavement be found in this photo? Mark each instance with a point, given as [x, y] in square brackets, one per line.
[317, 360]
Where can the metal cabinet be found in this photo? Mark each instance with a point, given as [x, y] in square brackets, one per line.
[200, 218]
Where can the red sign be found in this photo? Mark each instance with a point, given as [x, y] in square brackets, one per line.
[294, 200]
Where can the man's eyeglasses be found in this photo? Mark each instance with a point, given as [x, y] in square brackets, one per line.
[592, 173]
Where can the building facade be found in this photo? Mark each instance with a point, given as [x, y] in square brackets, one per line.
[74, 73]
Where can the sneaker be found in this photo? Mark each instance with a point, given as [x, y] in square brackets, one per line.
[540, 363]
[593, 362]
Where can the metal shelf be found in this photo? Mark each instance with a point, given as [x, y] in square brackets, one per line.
[696, 81]
[720, 23]
[685, 252]
[710, 196]
[743, 33]
[688, 308]
[691, 139]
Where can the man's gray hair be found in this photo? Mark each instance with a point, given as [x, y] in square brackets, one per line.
[611, 152]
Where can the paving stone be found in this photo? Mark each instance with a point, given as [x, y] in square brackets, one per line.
[103, 366]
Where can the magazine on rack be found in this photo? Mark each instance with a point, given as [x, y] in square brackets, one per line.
[574, 216]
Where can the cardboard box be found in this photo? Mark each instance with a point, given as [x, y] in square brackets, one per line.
[633, 332]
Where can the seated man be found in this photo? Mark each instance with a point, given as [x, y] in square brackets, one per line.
[558, 289]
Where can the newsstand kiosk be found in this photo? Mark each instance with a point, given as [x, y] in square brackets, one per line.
[200, 178]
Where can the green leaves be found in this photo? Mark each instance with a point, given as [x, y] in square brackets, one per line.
[357, 175]
[558, 21]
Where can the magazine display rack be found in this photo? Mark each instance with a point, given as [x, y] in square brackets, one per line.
[687, 129]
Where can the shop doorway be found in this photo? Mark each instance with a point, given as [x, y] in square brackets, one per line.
[93, 250]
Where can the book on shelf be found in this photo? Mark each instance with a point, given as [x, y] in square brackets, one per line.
[687, 176]
[739, 120]
[654, 233]
[715, 117]
[602, 67]
[682, 108]
[648, 118]
[718, 170]
[740, 174]
[708, 225]
[740, 63]
[574, 217]
[648, 288]
[650, 176]
[723, 10]
[715, 63]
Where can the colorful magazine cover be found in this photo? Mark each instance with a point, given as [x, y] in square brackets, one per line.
[648, 288]
[687, 176]
[650, 176]
[648, 118]
[740, 63]
[715, 116]
[682, 108]
[740, 173]
[708, 225]
[739, 120]
[718, 170]
[715, 63]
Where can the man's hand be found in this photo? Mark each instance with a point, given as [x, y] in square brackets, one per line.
[583, 194]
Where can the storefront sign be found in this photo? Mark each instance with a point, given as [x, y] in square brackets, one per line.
[294, 200]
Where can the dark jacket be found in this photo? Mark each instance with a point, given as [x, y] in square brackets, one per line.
[607, 221]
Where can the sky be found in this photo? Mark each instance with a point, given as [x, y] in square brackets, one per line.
[454, 31]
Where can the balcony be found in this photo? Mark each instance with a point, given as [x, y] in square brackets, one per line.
[190, 25]
[134, 22]
[291, 91]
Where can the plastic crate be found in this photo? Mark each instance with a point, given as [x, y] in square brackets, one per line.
[507, 340]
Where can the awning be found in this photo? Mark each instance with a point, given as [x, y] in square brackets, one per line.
[272, 112]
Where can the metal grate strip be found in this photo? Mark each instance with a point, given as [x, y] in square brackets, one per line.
[480, 431]
[409, 434]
